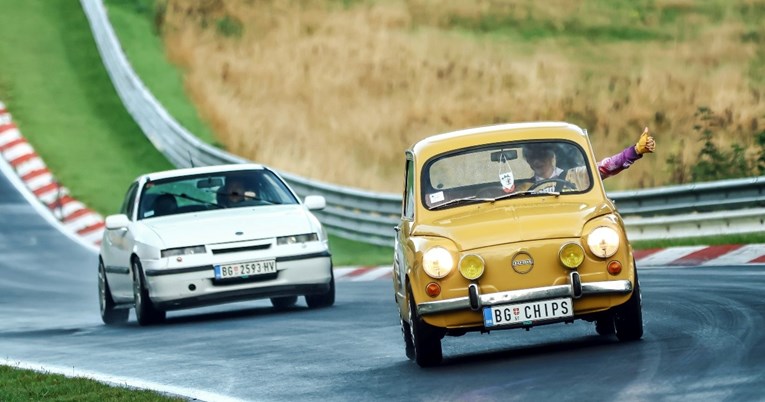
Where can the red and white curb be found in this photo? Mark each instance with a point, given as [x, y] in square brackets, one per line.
[33, 172]
[690, 256]
[694, 256]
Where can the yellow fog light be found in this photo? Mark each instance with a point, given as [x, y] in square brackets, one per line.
[471, 266]
[571, 255]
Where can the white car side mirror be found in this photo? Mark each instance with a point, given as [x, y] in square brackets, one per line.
[114, 222]
[315, 202]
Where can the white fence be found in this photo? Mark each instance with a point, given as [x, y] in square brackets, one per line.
[370, 217]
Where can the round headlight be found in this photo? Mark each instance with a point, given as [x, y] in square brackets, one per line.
[603, 241]
[437, 262]
[571, 255]
[471, 266]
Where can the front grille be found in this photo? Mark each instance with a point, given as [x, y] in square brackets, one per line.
[241, 249]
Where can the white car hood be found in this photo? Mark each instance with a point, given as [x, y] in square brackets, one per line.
[222, 226]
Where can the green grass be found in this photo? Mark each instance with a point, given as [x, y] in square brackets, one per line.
[348, 252]
[634, 21]
[17, 385]
[61, 98]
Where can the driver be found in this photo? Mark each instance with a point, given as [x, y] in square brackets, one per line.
[541, 159]
[234, 192]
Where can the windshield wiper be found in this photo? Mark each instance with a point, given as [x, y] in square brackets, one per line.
[459, 201]
[519, 193]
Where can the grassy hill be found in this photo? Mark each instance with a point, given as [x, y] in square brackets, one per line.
[375, 76]
[53, 81]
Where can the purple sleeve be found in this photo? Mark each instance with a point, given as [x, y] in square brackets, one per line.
[616, 163]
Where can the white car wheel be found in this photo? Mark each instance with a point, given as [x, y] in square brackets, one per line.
[325, 299]
[145, 311]
[109, 314]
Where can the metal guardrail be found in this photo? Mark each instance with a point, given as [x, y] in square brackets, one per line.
[697, 197]
[370, 217]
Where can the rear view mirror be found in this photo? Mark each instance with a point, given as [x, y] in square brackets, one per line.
[504, 155]
[210, 182]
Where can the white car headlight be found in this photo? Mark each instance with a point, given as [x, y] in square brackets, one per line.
[171, 252]
[437, 262]
[603, 241]
[302, 238]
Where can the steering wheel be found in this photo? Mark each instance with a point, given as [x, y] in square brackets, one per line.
[560, 184]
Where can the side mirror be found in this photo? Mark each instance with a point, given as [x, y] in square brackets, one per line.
[114, 222]
[315, 202]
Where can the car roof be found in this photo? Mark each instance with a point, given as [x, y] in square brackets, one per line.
[199, 170]
[437, 144]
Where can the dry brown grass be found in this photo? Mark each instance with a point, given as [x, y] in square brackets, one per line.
[337, 94]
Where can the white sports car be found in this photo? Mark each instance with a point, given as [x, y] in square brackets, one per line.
[209, 235]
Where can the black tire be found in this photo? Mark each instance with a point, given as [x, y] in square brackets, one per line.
[109, 314]
[605, 326]
[628, 319]
[283, 303]
[145, 311]
[426, 339]
[325, 299]
[406, 331]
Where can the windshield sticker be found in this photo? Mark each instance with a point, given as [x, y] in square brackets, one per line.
[436, 197]
[508, 181]
[506, 178]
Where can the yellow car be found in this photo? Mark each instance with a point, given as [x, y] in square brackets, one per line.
[509, 226]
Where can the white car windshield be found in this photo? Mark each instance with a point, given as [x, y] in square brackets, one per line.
[213, 191]
[498, 171]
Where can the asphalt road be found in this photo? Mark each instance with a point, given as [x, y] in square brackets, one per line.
[704, 338]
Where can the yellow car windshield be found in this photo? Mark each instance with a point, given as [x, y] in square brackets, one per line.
[497, 171]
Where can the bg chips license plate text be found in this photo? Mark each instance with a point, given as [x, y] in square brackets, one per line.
[527, 313]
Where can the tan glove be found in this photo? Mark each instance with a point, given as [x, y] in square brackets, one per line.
[645, 144]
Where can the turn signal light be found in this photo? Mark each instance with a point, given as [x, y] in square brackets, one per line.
[614, 267]
[433, 289]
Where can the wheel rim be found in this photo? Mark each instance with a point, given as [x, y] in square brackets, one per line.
[411, 327]
[137, 290]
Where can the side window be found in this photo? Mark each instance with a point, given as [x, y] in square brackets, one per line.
[408, 207]
[128, 203]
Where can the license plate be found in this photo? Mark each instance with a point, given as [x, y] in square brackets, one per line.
[527, 313]
[245, 269]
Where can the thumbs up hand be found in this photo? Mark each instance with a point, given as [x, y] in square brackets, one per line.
[646, 143]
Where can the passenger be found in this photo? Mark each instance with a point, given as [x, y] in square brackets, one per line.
[541, 158]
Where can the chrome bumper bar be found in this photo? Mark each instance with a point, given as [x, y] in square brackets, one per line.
[524, 295]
